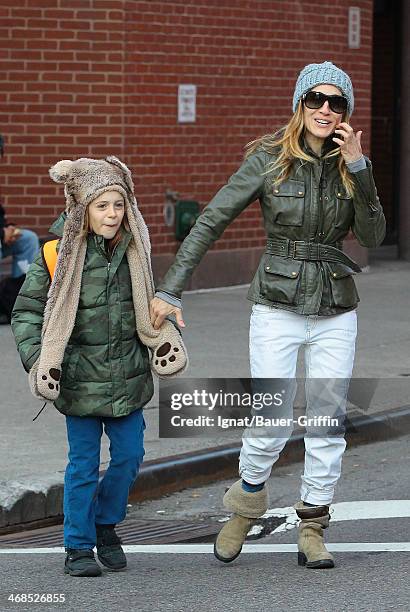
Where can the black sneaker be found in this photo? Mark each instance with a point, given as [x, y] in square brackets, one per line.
[81, 562]
[109, 549]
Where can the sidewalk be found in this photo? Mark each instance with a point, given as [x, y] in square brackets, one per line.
[32, 454]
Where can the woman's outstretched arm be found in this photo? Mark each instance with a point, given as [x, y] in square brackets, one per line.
[245, 186]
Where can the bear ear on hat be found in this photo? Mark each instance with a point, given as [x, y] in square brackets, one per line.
[60, 171]
[127, 174]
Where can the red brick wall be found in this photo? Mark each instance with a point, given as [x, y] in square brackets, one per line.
[61, 96]
[102, 76]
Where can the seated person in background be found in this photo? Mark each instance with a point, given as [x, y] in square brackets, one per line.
[21, 244]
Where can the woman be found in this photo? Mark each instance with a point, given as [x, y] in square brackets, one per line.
[314, 185]
[83, 333]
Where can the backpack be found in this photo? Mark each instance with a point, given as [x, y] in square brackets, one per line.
[10, 287]
[50, 256]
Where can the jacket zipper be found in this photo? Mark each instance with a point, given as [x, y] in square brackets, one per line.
[320, 207]
[109, 317]
[103, 252]
[110, 260]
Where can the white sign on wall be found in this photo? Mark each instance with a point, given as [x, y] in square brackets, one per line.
[186, 103]
[354, 28]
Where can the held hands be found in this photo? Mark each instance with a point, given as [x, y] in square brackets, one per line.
[349, 142]
[159, 309]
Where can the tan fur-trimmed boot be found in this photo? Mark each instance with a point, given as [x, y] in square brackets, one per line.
[246, 508]
[311, 549]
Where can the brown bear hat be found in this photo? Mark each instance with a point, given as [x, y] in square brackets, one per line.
[84, 180]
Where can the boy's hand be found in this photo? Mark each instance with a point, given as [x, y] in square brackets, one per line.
[159, 309]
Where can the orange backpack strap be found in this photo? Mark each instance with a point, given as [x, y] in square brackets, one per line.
[50, 256]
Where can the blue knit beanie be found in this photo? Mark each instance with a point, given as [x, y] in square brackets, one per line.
[320, 74]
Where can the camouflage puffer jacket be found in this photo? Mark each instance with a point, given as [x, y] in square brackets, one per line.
[106, 370]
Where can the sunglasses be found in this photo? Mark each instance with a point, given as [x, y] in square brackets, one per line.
[316, 99]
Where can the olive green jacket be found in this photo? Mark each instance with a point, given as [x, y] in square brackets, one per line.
[311, 205]
[106, 369]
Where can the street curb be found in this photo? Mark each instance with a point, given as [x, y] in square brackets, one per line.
[170, 474]
[32, 503]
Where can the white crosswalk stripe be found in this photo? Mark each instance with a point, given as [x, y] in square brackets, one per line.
[248, 548]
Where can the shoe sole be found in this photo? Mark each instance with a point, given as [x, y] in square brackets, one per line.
[320, 564]
[114, 568]
[83, 573]
[226, 559]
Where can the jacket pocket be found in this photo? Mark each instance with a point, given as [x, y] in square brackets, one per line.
[344, 211]
[343, 290]
[280, 279]
[289, 203]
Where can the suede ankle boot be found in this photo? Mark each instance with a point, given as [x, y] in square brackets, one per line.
[311, 549]
[246, 507]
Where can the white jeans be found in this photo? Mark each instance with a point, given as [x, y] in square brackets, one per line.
[274, 341]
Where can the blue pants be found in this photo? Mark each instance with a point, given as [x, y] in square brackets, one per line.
[86, 501]
[23, 252]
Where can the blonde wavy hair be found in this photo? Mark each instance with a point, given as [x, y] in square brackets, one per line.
[285, 143]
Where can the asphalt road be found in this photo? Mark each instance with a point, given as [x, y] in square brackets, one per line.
[361, 581]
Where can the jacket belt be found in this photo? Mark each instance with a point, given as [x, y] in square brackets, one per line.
[310, 251]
